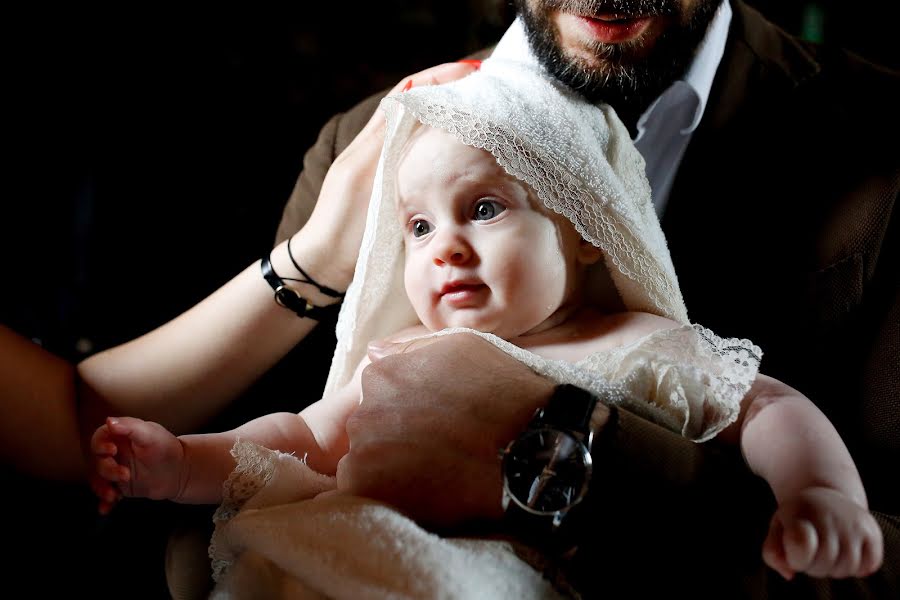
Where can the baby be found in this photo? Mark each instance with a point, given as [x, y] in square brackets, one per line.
[482, 252]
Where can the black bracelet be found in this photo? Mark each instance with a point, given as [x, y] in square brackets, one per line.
[322, 288]
[290, 299]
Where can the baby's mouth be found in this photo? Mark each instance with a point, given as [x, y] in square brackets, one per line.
[462, 293]
[456, 288]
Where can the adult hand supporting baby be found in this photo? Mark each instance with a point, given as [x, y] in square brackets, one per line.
[434, 414]
[333, 233]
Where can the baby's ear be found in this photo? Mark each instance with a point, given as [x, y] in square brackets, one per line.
[588, 253]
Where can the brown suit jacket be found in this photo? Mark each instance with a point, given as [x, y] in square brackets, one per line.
[783, 227]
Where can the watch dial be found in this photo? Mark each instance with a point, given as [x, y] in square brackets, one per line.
[547, 470]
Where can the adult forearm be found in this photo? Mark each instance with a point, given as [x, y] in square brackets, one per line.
[38, 430]
[188, 369]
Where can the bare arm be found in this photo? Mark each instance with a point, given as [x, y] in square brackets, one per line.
[143, 458]
[38, 427]
[190, 368]
[788, 442]
[822, 525]
[318, 435]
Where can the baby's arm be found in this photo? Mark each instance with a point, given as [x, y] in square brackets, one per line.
[822, 525]
[140, 458]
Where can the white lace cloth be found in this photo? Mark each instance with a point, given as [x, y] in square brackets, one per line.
[280, 537]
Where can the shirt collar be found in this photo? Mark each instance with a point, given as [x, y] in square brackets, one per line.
[699, 76]
[697, 82]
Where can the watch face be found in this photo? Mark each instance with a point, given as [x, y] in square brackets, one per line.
[546, 471]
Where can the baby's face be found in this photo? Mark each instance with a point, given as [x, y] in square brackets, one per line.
[480, 252]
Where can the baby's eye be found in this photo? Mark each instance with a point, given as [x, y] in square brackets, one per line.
[486, 210]
[420, 228]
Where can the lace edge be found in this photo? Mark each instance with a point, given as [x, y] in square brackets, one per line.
[254, 468]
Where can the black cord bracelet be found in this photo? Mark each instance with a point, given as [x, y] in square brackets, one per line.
[289, 297]
[322, 288]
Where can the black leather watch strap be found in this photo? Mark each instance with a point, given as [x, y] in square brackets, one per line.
[538, 531]
[570, 407]
[289, 297]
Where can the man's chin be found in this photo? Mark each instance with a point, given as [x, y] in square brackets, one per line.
[627, 75]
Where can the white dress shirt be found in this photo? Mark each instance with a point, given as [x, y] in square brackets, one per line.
[666, 127]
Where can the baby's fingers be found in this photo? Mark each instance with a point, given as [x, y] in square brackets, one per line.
[105, 492]
[850, 549]
[773, 550]
[801, 543]
[138, 431]
[104, 508]
[112, 471]
[101, 442]
[872, 548]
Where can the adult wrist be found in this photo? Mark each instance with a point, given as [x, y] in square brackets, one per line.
[321, 259]
[315, 268]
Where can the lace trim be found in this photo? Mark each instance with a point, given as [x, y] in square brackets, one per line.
[254, 469]
[600, 217]
[686, 379]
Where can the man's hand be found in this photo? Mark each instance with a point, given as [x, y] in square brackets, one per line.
[329, 243]
[433, 417]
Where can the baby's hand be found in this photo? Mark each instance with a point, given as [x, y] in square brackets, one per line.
[135, 458]
[823, 533]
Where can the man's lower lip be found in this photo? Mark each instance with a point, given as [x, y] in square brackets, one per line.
[615, 32]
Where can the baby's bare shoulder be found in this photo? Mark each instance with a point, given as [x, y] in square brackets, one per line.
[590, 331]
[633, 325]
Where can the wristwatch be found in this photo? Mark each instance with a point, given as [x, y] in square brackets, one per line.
[547, 469]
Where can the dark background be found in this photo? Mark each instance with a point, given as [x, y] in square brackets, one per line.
[148, 154]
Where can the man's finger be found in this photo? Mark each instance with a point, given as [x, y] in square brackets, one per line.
[437, 75]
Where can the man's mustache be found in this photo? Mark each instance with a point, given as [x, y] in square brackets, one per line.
[623, 7]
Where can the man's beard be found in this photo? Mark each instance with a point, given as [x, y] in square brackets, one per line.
[628, 82]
